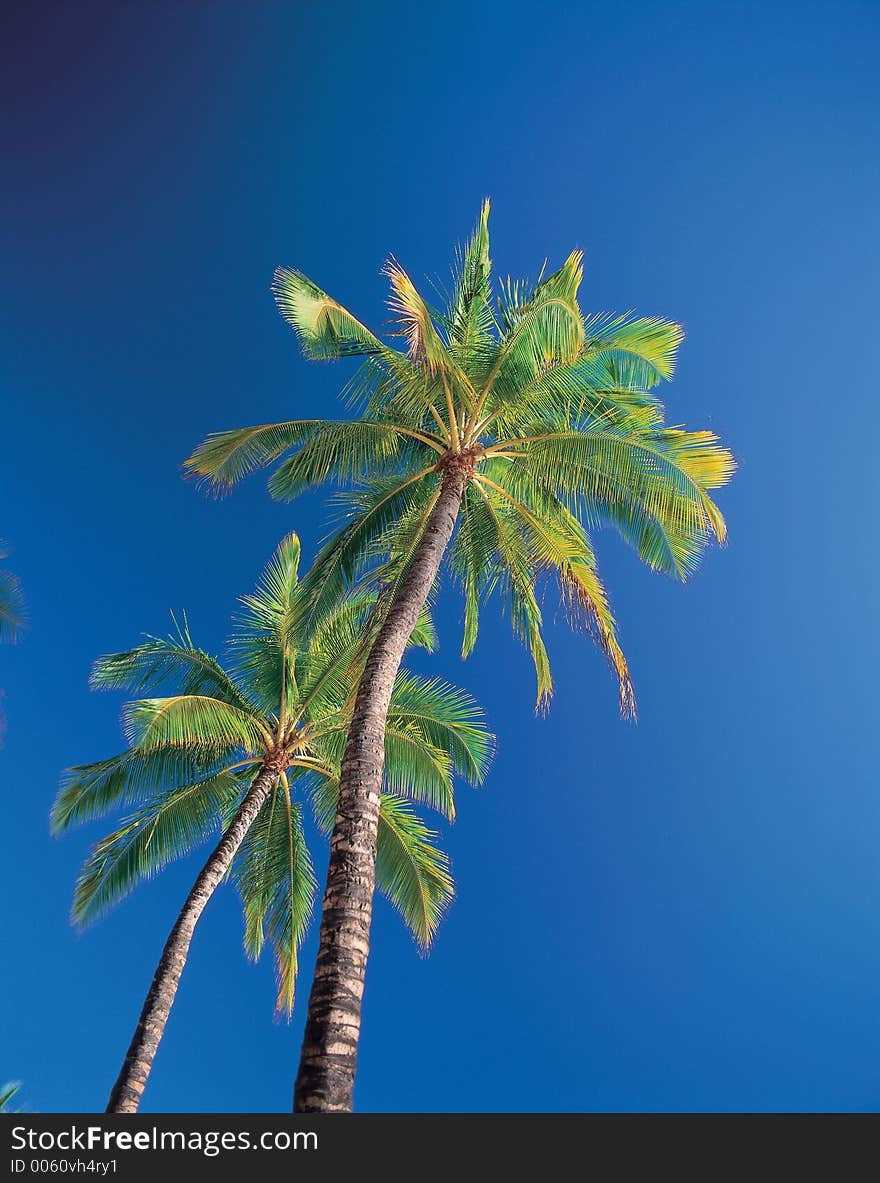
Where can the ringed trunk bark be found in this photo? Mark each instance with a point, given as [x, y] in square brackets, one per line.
[126, 1094]
[325, 1081]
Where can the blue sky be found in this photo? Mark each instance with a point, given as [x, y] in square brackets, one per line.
[678, 914]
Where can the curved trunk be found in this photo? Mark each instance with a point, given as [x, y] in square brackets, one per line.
[127, 1091]
[325, 1081]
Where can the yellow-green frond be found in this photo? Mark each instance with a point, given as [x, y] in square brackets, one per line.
[191, 721]
[326, 330]
[414, 319]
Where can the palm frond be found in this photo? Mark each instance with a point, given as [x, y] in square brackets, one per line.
[347, 452]
[553, 540]
[325, 329]
[12, 607]
[449, 718]
[414, 320]
[544, 329]
[90, 791]
[225, 457]
[646, 341]
[159, 660]
[275, 878]
[191, 721]
[636, 482]
[417, 769]
[166, 828]
[591, 390]
[469, 319]
[264, 642]
[411, 870]
[369, 513]
[512, 571]
[8, 1092]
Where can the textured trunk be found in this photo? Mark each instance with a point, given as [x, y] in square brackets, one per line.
[127, 1091]
[325, 1081]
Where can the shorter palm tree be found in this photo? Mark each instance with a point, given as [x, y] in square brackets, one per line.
[238, 750]
[12, 611]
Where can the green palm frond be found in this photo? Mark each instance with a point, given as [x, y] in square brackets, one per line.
[90, 791]
[643, 341]
[275, 878]
[265, 642]
[434, 732]
[159, 660]
[194, 721]
[227, 456]
[411, 870]
[13, 616]
[166, 828]
[546, 327]
[8, 1092]
[450, 718]
[645, 485]
[337, 648]
[342, 452]
[373, 510]
[593, 389]
[470, 322]
[405, 392]
[544, 536]
[512, 572]
[418, 769]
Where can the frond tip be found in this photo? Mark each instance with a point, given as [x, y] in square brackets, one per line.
[411, 870]
[587, 605]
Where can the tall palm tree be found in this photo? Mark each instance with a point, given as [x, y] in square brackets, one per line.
[237, 750]
[12, 611]
[525, 422]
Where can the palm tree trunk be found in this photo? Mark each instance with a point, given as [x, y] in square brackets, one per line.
[127, 1091]
[325, 1081]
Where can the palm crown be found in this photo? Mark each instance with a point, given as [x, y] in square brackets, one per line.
[283, 702]
[552, 414]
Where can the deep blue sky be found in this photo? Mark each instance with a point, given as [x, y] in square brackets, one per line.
[678, 914]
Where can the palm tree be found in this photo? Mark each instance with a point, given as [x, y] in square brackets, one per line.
[525, 423]
[12, 612]
[237, 750]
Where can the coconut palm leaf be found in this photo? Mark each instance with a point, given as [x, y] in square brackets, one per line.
[167, 828]
[12, 608]
[91, 791]
[274, 874]
[326, 330]
[8, 1093]
[411, 870]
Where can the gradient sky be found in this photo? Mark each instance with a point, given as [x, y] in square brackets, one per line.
[678, 914]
